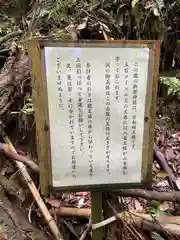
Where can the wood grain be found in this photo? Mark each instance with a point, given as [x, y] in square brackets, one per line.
[40, 102]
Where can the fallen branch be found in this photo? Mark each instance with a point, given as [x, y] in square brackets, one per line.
[167, 223]
[163, 163]
[161, 218]
[15, 156]
[163, 222]
[173, 196]
[87, 230]
[67, 211]
[170, 224]
[106, 16]
[35, 193]
[10, 35]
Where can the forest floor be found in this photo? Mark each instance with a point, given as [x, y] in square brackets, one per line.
[131, 213]
[72, 211]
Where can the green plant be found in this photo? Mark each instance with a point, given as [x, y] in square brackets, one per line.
[155, 209]
[28, 108]
[6, 25]
[172, 83]
[61, 10]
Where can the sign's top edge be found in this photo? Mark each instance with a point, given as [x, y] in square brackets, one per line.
[92, 41]
[50, 42]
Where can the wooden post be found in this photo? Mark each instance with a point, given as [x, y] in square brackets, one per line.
[97, 216]
[40, 102]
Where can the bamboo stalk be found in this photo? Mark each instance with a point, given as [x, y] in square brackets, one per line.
[51, 222]
[146, 222]
[68, 211]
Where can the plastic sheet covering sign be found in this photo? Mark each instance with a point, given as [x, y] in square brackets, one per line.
[96, 100]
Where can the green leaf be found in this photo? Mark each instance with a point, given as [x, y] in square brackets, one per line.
[134, 2]
[136, 11]
[172, 83]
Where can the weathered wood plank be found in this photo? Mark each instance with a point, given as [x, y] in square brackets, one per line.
[36, 49]
[150, 114]
[96, 211]
[40, 102]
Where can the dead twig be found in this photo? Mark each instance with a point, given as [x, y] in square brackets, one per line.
[35, 193]
[146, 222]
[68, 211]
[10, 35]
[87, 230]
[163, 163]
[106, 16]
[173, 196]
[15, 156]
[71, 228]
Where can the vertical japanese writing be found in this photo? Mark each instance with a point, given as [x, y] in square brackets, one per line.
[90, 122]
[125, 119]
[108, 114]
[71, 121]
[117, 78]
[80, 103]
[59, 83]
[134, 103]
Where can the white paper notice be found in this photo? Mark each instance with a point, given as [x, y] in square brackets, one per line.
[96, 100]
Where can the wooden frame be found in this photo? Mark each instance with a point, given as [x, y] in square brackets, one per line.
[36, 53]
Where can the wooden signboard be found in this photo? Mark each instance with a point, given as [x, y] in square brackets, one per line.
[95, 112]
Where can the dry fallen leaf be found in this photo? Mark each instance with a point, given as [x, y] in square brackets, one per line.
[81, 193]
[169, 154]
[178, 169]
[162, 174]
[162, 138]
[165, 206]
[172, 164]
[138, 206]
[105, 35]
[80, 202]
[177, 156]
[163, 183]
[176, 135]
[178, 183]
[54, 202]
[82, 25]
[134, 205]
[105, 27]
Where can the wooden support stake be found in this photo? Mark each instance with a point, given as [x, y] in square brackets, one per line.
[96, 209]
